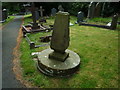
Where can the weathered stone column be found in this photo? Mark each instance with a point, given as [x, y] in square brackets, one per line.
[58, 60]
[60, 36]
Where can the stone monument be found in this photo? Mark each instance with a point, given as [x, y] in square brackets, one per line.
[33, 9]
[3, 15]
[60, 8]
[41, 11]
[53, 12]
[37, 15]
[97, 10]
[114, 22]
[91, 10]
[58, 60]
[80, 17]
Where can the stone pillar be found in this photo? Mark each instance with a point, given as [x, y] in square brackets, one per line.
[60, 36]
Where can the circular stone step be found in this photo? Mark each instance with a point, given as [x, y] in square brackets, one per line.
[54, 67]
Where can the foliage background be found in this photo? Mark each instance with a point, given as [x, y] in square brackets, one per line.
[72, 7]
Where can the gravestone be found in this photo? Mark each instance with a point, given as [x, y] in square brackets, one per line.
[41, 11]
[0, 15]
[33, 10]
[37, 15]
[97, 10]
[59, 61]
[3, 15]
[60, 36]
[103, 9]
[114, 22]
[60, 8]
[53, 12]
[91, 10]
[80, 17]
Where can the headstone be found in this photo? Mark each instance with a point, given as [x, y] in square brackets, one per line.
[37, 15]
[59, 61]
[103, 9]
[80, 17]
[41, 11]
[60, 8]
[3, 15]
[53, 12]
[33, 9]
[97, 10]
[91, 10]
[114, 22]
[60, 36]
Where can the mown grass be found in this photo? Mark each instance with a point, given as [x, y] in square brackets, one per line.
[98, 50]
[7, 20]
[102, 21]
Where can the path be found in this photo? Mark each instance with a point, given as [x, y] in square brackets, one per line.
[9, 37]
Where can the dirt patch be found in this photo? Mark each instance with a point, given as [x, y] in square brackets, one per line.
[16, 62]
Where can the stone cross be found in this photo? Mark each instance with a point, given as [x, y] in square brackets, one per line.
[97, 10]
[41, 11]
[114, 22]
[60, 37]
[91, 10]
[80, 17]
[33, 9]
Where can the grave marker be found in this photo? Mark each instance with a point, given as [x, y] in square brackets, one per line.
[53, 12]
[37, 15]
[114, 22]
[80, 17]
[33, 9]
[91, 10]
[60, 8]
[97, 10]
[3, 15]
[41, 11]
[59, 61]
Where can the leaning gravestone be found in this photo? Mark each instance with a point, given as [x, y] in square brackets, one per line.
[60, 8]
[80, 17]
[91, 10]
[97, 10]
[59, 61]
[114, 22]
[53, 12]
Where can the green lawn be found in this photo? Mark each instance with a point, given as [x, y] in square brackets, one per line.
[97, 48]
[8, 20]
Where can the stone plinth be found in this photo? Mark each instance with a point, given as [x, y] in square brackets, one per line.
[54, 67]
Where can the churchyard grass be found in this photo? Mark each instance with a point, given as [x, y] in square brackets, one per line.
[8, 20]
[97, 48]
[102, 21]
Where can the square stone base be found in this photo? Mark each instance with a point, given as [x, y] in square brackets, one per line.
[59, 56]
